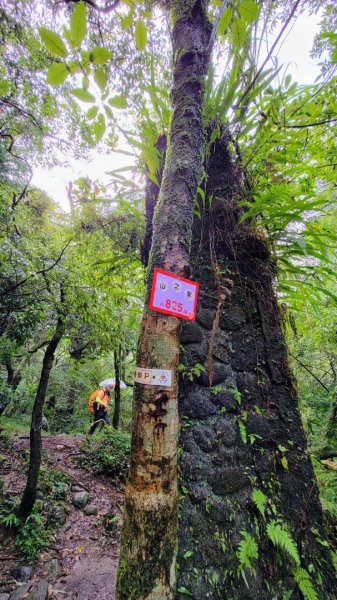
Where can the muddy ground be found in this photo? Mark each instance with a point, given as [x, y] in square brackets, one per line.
[82, 559]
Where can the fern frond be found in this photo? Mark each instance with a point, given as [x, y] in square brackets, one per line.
[281, 538]
[303, 581]
[259, 500]
[247, 550]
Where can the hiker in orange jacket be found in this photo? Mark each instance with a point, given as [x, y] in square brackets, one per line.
[100, 403]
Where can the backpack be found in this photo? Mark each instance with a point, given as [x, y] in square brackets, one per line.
[92, 401]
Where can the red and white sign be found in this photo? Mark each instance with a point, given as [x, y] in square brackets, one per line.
[174, 295]
[161, 377]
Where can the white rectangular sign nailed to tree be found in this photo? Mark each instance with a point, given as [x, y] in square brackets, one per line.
[153, 376]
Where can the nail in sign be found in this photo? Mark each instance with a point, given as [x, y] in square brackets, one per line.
[174, 295]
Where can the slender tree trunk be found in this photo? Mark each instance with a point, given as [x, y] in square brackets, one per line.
[251, 523]
[29, 494]
[149, 544]
[331, 430]
[117, 407]
[10, 373]
[13, 378]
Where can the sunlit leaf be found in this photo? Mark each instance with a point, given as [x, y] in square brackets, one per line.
[140, 35]
[118, 102]
[57, 73]
[100, 78]
[248, 10]
[100, 55]
[225, 20]
[53, 42]
[238, 29]
[85, 82]
[78, 24]
[99, 127]
[127, 20]
[92, 112]
[82, 95]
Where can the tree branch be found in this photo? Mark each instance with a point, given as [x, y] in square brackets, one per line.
[24, 112]
[101, 9]
[41, 272]
[311, 373]
[305, 125]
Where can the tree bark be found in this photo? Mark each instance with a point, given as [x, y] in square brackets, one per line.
[148, 548]
[242, 439]
[117, 406]
[29, 494]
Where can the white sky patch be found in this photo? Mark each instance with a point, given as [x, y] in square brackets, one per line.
[294, 53]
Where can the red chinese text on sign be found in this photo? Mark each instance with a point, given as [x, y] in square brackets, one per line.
[174, 295]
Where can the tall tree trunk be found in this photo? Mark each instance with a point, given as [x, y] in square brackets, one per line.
[117, 406]
[148, 549]
[29, 494]
[251, 523]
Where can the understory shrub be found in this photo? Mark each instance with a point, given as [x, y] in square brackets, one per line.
[107, 453]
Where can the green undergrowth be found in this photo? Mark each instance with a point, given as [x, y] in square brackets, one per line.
[327, 482]
[107, 453]
[15, 424]
[32, 535]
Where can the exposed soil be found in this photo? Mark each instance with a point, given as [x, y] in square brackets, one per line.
[82, 560]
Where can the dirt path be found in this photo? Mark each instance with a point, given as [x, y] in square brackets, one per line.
[82, 561]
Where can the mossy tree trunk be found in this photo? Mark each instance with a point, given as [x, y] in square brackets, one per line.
[251, 522]
[149, 544]
[29, 494]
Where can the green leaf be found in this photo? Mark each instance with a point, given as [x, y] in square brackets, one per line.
[82, 95]
[140, 35]
[57, 73]
[184, 590]
[188, 553]
[85, 82]
[53, 42]
[287, 81]
[99, 127]
[118, 102]
[248, 10]
[92, 112]
[100, 55]
[78, 24]
[281, 538]
[127, 20]
[74, 67]
[239, 32]
[100, 78]
[259, 500]
[243, 432]
[303, 581]
[247, 550]
[225, 20]
[108, 112]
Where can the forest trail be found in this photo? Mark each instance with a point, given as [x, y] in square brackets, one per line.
[82, 559]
